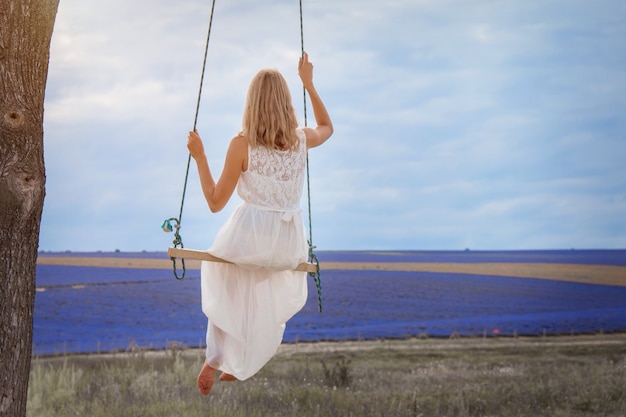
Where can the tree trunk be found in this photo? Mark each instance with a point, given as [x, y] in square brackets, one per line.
[25, 33]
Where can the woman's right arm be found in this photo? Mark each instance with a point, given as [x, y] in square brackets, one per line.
[318, 135]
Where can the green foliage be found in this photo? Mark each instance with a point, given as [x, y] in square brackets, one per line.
[454, 378]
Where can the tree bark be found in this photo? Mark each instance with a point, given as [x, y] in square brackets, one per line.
[25, 34]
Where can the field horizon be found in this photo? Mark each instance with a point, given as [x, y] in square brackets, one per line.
[575, 265]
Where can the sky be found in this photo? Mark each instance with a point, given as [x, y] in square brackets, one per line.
[483, 125]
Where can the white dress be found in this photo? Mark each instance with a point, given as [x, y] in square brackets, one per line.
[248, 303]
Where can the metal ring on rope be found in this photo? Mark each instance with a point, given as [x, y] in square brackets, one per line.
[177, 242]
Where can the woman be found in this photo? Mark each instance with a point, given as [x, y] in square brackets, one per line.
[249, 301]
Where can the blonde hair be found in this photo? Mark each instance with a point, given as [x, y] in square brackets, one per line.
[269, 118]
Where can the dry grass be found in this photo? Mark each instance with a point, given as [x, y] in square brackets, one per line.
[557, 376]
[595, 274]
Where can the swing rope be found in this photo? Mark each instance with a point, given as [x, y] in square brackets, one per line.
[312, 257]
[178, 241]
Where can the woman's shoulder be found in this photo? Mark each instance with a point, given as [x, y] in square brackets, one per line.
[239, 146]
[239, 141]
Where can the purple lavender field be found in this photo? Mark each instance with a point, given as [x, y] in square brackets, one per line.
[95, 309]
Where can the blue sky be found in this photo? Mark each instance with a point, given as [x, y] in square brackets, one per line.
[484, 125]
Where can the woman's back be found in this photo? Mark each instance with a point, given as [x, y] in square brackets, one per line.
[274, 179]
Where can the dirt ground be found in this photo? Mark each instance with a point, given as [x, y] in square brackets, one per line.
[594, 274]
[409, 344]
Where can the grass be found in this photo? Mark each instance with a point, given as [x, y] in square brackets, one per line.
[553, 376]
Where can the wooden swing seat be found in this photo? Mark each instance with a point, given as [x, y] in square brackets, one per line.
[205, 256]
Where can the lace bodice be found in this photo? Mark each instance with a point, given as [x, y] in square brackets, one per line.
[274, 179]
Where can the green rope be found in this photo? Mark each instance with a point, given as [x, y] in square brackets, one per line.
[178, 241]
[312, 257]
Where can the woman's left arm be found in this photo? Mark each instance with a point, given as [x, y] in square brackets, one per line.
[218, 194]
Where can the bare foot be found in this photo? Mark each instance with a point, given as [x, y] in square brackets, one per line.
[206, 378]
[227, 377]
